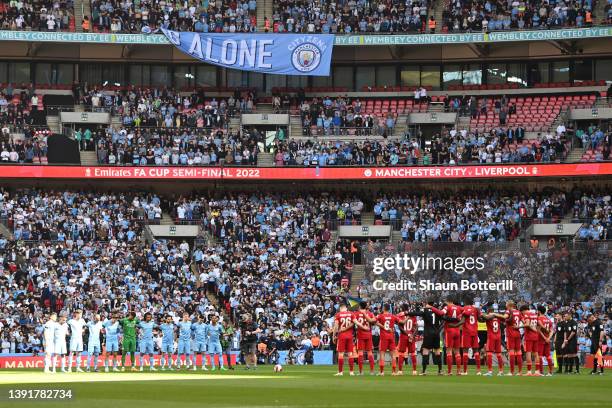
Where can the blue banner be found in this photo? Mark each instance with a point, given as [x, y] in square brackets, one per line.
[284, 54]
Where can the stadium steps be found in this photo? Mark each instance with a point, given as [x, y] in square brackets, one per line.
[88, 158]
[575, 155]
[166, 219]
[438, 8]
[265, 159]
[599, 13]
[147, 236]
[357, 276]
[235, 125]
[53, 122]
[367, 218]
[295, 126]
[396, 236]
[116, 122]
[463, 122]
[264, 108]
[81, 8]
[5, 232]
[401, 126]
[264, 9]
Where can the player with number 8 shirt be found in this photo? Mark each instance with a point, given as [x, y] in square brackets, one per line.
[494, 342]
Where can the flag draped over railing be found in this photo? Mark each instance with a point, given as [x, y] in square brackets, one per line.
[287, 54]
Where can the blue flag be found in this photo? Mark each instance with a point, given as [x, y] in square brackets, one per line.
[284, 54]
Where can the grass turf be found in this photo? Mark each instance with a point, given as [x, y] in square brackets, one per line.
[305, 387]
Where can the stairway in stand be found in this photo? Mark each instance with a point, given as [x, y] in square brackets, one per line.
[81, 8]
[265, 159]
[89, 158]
[166, 219]
[357, 276]
[438, 11]
[264, 9]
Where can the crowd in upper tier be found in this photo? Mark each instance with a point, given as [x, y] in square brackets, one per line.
[168, 108]
[302, 16]
[37, 15]
[453, 147]
[347, 17]
[176, 147]
[206, 16]
[467, 15]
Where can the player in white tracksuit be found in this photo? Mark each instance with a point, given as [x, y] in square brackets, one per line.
[59, 342]
[49, 342]
[76, 325]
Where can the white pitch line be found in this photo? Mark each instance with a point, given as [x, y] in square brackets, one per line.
[16, 377]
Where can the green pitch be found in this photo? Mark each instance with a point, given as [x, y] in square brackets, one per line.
[309, 387]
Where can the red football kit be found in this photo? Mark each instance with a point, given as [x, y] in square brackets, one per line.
[494, 344]
[530, 321]
[407, 341]
[387, 331]
[543, 346]
[364, 337]
[469, 338]
[452, 337]
[345, 332]
[494, 335]
[513, 334]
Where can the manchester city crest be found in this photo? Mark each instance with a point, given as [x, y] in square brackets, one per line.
[306, 57]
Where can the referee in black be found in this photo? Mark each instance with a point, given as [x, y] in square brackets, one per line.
[597, 332]
[570, 345]
[559, 337]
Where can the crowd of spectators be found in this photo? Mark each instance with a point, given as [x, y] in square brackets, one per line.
[207, 16]
[39, 15]
[15, 109]
[453, 147]
[499, 145]
[327, 116]
[347, 17]
[270, 255]
[465, 216]
[594, 210]
[32, 148]
[177, 146]
[68, 216]
[346, 153]
[468, 15]
[163, 107]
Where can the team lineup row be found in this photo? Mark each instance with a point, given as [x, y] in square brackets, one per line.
[195, 337]
[525, 329]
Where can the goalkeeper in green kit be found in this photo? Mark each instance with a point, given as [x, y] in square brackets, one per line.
[128, 325]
